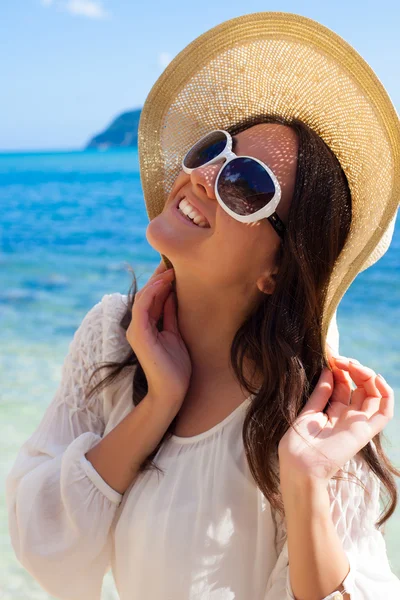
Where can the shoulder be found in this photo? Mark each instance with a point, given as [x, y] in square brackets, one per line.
[113, 307]
[100, 331]
[115, 344]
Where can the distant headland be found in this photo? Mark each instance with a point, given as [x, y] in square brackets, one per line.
[121, 132]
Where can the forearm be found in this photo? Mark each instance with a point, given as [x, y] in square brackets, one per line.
[317, 562]
[118, 456]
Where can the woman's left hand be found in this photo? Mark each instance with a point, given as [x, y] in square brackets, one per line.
[333, 437]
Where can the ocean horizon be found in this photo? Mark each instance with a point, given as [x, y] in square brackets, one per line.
[72, 221]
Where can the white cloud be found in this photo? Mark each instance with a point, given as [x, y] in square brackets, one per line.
[164, 58]
[91, 9]
[87, 8]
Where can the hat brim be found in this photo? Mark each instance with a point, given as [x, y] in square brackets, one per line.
[291, 65]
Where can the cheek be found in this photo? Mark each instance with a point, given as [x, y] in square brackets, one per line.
[228, 229]
[178, 183]
[242, 242]
[254, 248]
[243, 232]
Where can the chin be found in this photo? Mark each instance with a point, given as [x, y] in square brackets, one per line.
[166, 238]
[161, 238]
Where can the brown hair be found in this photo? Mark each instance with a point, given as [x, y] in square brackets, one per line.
[283, 336]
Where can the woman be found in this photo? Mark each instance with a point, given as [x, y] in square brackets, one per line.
[253, 436]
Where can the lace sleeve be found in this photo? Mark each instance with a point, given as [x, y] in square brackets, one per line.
[354, 513]
[60, 510]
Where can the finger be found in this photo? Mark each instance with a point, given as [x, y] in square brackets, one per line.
[329, 353]
[342, 386]
[321, 393]
[161, 267]
[387, 394]
[342, 381]
[168, 275]
[341, 377]
[143, 325]
[382, 416]
[334, 410]
[358, 396]
[343, 361]
[152, 300]
[371, 405]
[361, 375]
[170, 320]
[341, 374]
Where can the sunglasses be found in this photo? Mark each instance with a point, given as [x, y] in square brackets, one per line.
[245, 187]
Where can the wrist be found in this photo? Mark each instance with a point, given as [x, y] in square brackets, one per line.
[160, 411]
[304, 492]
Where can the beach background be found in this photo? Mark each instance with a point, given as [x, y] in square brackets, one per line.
[72, 216]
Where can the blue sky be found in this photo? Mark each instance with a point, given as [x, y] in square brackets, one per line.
[68, 67]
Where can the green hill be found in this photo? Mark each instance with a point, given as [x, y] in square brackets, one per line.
[121, 132]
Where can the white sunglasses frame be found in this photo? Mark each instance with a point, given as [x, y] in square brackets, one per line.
[268, 211]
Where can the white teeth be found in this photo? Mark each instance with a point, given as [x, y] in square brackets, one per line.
[187, 209]
[197, 220]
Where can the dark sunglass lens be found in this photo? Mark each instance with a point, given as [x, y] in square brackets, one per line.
[206, 149]
[245, 186]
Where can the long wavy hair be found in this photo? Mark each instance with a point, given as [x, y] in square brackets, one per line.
[283, 336]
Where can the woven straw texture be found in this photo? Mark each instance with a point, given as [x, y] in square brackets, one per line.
[290, 65]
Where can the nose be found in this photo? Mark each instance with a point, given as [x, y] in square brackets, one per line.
[205, 178]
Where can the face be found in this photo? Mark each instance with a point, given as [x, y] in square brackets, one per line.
[228, 253]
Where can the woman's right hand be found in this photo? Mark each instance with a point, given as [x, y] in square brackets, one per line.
[162, 354]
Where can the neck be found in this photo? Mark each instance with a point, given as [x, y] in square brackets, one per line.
[208, 322]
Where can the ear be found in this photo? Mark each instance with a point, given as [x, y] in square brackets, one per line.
[267, 281]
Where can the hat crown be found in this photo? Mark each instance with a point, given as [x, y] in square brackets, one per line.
[292, 66]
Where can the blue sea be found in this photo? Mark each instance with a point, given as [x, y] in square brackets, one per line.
[70, 224]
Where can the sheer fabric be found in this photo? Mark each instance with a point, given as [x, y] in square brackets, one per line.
[202, 530]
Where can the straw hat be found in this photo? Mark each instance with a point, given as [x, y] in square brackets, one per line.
[290, 65]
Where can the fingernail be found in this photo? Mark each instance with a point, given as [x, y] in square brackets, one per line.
[381, 376]
[354, 361]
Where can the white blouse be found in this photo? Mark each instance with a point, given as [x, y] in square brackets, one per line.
[200, 531]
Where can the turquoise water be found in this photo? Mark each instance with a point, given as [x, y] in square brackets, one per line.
[70, 223]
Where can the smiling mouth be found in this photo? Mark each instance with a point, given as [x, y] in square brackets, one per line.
[178, 201]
